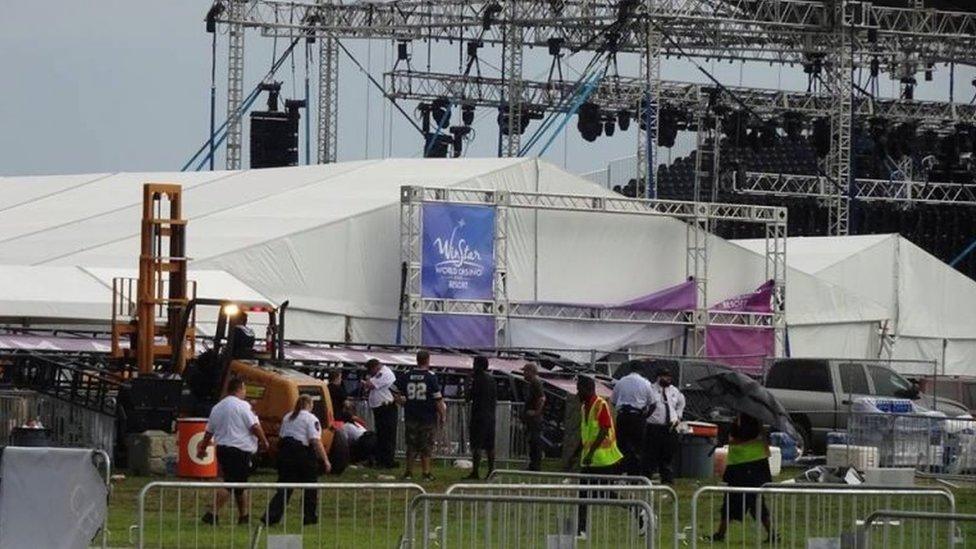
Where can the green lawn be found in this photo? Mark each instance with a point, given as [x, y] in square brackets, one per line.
[374, 518]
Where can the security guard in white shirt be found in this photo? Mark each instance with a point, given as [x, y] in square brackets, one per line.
[236, 430]
[380, 385]
[660, 438]
[632, 397]
[300, 452]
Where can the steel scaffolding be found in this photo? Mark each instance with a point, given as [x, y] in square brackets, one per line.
[696, 215]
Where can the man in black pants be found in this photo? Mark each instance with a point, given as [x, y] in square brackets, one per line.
[632, 396]
[535, 401]
[483, 398]
[380, 385]
[661, 439]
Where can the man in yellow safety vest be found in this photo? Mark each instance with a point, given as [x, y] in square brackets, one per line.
[597, 445]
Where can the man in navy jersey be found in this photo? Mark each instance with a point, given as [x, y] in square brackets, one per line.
[423, 412]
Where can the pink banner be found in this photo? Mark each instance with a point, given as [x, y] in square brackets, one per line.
[746, 347]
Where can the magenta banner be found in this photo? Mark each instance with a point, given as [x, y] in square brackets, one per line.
[746, 347]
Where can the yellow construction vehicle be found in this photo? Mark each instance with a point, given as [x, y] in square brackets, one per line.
[159, 324]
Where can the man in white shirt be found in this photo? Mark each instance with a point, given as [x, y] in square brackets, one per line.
[238, 434]
[380, 385]
[661, 439]
[631, 398]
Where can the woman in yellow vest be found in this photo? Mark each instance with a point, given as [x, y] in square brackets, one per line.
[747, 465]
[597, 446]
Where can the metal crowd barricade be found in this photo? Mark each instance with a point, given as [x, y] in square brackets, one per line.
[930, 444]
[349, 515]
[806, 516]
[885, 528]
[454, 441]
[70, 425]
[481, 520]
[555, 477]
[661, 524]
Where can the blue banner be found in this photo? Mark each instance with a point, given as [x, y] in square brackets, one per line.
[458, 251]
[470, 331]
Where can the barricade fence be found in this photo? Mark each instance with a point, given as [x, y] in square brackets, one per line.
[661, 524]
[454, 440]
[886, 528]
[806, 516]
[69, 425]
[170, 514]
[482, 520]
[930, 444]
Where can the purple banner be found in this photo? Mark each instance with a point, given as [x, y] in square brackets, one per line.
[744, 348]
[674, 298]
[458, 331]
[458, 251]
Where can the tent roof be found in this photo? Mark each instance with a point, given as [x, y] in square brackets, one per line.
[94, 219]
[66, 294]
[325, 237]
[924, 296]
[812, 254]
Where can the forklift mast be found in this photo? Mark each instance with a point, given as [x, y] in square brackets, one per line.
[156, 328]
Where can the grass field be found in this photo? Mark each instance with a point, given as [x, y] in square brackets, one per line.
[373, 518]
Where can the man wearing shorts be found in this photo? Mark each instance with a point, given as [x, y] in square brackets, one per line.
[423, 412]
[238, 434]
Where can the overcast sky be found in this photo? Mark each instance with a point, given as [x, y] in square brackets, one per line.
[123, 85]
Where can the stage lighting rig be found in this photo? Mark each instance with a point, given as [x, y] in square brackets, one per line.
[609, 125]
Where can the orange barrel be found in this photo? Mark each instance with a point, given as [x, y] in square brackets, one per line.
[189, 433]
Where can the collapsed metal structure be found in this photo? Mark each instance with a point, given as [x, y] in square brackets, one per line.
[698, 216]
[829, 38]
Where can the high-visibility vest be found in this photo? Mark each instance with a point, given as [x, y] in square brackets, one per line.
[608, 453]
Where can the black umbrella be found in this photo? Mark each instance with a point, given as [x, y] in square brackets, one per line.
[745, 395]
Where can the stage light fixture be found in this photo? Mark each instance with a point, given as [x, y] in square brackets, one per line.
[588, 121]
[467, 114]
[458, 133]
[609, 126]
[623, 120]
[440, 111]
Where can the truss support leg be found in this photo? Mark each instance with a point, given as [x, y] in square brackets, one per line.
[512, 142]
[328, 100]
[235, 81]
[500, 282]
[696, 266]
[647, 113]
[840, 78]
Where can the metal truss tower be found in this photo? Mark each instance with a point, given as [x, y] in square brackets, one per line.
[840, 77]
[512, 75]
[235, 80]
[647, 112]
[328, 101]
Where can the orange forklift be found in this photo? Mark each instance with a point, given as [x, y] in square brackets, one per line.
[166, 376]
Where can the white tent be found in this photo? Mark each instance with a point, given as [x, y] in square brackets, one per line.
[326, 238]
[76, 296]
[930, 305]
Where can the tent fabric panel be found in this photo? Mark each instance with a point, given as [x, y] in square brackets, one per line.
[849, 340]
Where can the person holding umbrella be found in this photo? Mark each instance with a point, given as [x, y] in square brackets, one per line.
[747, 465]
